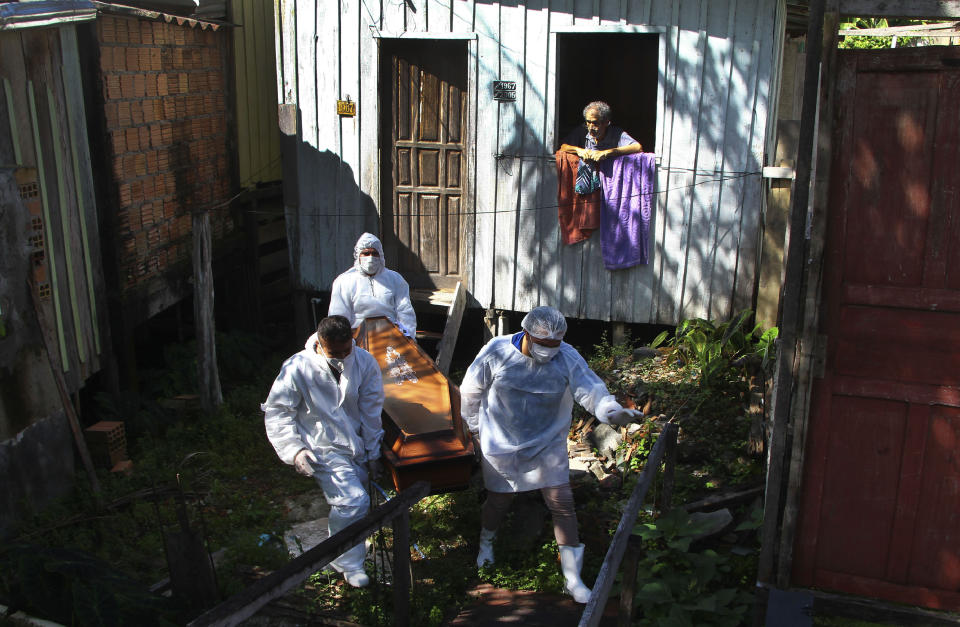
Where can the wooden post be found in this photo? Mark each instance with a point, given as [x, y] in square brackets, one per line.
[791, 301]
[207, 372]
[618, 546]
[401, 569]
[628, 583]
[669, 466]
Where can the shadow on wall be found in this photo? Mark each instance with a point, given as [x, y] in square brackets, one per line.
[322, 227]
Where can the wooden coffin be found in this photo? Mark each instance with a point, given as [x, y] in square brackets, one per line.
[424, 435]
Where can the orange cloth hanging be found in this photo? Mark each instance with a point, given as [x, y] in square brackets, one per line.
[579, 215]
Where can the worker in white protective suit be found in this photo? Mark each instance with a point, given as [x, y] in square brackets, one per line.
[370, 289]
[323, 417]
[517, 396]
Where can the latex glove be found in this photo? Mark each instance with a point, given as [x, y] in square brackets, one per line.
[624, 416]
[374, 468]
[304, 462]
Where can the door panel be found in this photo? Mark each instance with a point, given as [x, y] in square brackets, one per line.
[880, 500]
[423, 176]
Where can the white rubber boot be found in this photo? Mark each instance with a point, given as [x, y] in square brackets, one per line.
[571, 561]
[485, 556]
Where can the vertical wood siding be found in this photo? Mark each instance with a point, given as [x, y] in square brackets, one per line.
[254, 65]
[43, 100]
[716, 68]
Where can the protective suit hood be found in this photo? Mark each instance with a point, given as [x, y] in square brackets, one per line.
[368, 240]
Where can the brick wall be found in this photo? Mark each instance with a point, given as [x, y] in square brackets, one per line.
[165, 101]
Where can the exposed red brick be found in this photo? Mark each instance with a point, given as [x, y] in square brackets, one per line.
[132, 139]
[131, 58]
[146, 32]
[113, 87]
[162, 89]
[126, 86]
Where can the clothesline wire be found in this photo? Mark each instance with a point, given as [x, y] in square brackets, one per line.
[510, 211]
[666, 168]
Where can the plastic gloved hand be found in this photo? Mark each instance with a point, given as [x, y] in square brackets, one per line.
[624, 416]
[615, 413]
[304, 461]
[374, 468]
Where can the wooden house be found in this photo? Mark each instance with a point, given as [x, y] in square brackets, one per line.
[434, 122]
[863, 487]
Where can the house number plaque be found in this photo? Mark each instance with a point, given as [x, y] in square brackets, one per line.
[505, 91]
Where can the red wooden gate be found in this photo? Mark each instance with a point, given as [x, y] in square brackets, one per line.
[880, 504]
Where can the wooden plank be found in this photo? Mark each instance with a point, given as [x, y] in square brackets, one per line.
[368, 109]
[462, 20]
[84, 188]
[14, 67]
[243, 85]
[9, 142]
[451, 329]
[350, 199]
[335, 251]
[393, 17]
[245, 603]
[52, 254]
[714, 215]
[870, 610]
[676, 239]
[510, 168]
[565, 281]
[68, 223]
[618, 545]
[696, 240]
[638, 11]
[488, 52]
[763, 52]
[892, 8]
[208, 374]
[270, 168]
[663, 308]
[439, 16]
[738, 129]
[783, 378]
[548, 228]
[532, 188]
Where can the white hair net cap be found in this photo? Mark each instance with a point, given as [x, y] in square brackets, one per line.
[545, 323]
[367, 240]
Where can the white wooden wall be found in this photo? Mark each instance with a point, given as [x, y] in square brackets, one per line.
[718, 63]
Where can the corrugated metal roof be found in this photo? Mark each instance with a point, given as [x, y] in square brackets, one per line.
[16, 15]
[150, 14]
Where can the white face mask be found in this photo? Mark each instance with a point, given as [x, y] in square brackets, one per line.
[542, 354]
[337, 364]
[370, 264]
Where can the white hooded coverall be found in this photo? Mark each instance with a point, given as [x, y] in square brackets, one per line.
[339, 422]
[522, 410]
[356, 295]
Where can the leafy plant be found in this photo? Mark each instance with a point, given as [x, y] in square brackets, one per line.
[712, 350]
[684, 588]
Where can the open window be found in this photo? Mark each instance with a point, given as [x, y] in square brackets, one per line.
[618, 68]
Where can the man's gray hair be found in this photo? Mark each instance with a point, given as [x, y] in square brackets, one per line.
[602, 109]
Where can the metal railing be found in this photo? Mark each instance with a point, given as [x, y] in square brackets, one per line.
[621, 548]
[248, 601]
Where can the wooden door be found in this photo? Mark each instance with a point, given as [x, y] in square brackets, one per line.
[425, 96]
[880, 501]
